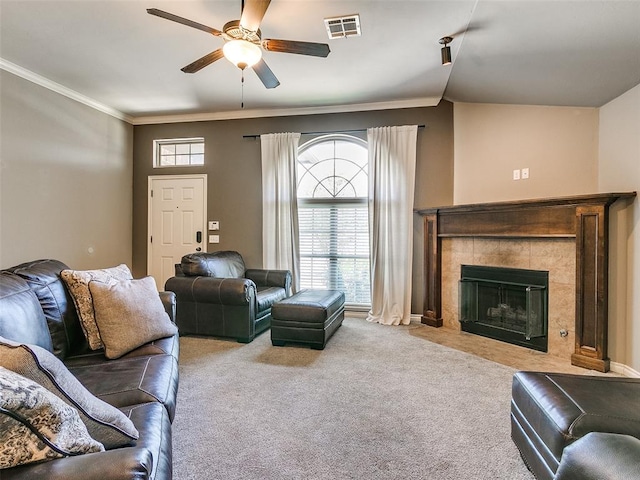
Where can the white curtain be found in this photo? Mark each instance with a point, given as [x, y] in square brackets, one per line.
[280, 250]
[392, 165]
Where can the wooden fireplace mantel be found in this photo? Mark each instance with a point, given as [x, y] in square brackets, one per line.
[584, 217]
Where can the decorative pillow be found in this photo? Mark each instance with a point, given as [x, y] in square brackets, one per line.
[129, 314]
[78, 283]
[105, 423]
[35, 425]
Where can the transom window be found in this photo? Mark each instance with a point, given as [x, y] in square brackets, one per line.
[333, 216]
[178, 152]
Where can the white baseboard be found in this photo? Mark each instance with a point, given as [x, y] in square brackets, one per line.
[360, 313]
[625, 370]
[355, 313]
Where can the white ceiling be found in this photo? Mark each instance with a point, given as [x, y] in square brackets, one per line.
[539, 52]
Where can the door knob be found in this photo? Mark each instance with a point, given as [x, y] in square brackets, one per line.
[199, 237]
[198, 249]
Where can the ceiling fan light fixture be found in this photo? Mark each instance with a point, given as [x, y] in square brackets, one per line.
[242, 53]
[446, 50]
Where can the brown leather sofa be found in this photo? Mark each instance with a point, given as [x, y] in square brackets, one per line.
[563, 423]
[143, 384]
[216, 295]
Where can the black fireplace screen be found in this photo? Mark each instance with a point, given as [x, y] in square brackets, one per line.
[505, 303]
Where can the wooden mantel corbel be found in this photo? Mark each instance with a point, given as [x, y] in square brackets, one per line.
[584, 217]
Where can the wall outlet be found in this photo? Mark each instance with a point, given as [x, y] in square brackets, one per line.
[214, 225]
[525, 173]
[516, 174]
[214, 238]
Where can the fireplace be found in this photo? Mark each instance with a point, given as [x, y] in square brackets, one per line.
[507, 304]
[581, 220]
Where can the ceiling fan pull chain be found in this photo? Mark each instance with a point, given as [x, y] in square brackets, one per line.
[242, 90]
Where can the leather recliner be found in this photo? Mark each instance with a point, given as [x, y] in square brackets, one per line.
[552, 414]
[601, 456]
[217, 296]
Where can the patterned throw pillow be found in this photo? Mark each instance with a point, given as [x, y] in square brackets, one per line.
[36, 426]
[104, 422]
[129, 314]
[77, 282]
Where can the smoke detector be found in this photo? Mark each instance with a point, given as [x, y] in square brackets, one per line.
[344, 26]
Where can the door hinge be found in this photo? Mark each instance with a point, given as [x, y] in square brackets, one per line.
[151, 193]
[151, 239]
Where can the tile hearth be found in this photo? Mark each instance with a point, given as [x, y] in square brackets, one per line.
[513, 356]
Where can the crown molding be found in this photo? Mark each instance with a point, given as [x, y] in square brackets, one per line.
[285, 112]
[61, 89]
[208, 116]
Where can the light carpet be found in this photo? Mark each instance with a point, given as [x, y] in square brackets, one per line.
[378, 402]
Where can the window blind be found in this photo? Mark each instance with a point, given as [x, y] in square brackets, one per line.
[334, 248]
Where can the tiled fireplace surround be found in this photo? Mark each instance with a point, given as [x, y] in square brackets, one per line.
[557, 256]
[567, 236]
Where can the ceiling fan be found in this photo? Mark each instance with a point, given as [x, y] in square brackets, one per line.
[243, 42]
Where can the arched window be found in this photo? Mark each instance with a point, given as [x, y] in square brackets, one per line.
[333, 216]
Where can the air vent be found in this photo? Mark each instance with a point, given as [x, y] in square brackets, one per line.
[342, 27]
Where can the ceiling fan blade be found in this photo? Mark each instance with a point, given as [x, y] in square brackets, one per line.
[265, 74]
[184, 21]
[300, 48]
[252, 13]
[199, 64]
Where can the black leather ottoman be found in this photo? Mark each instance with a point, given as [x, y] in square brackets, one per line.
[550, 411]
[309, 317]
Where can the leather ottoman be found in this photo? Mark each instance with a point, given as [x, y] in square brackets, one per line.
[309, 317]
[550, 411]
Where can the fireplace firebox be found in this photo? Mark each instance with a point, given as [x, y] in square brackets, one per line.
[507, 304]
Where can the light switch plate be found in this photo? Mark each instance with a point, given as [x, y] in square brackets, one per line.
[516, 174]
[214, 238]
[525, 173]
[214, 225]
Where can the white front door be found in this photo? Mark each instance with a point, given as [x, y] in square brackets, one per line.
[177, 221]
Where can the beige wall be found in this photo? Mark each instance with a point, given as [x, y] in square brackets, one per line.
[619, 170]
[234, 173]
[569, 151]
[66, 179]
[557, 144]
